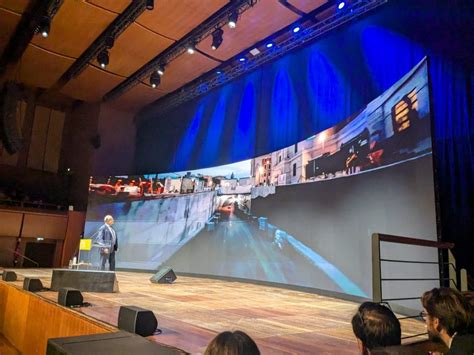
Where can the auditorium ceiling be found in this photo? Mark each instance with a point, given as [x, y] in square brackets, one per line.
[77, 24]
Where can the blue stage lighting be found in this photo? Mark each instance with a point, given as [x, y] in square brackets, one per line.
[296, 29]
[218, 72]
[341, 5]
[242, 59]
[269, 45]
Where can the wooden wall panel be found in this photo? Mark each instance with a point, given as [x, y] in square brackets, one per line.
[38, 138]
[307, 5]
[39, 67]
[46, 226]
[7, 246]
[92, 83]
[9, 21]
[17, 6]
[28, 320]
[47, 320]
[76, 25]
[11, 223]
[16, 317]
[53, 142]
[75, 227]
[128, 54]
[3, 304]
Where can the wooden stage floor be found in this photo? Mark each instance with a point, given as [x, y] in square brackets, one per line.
[192, 311]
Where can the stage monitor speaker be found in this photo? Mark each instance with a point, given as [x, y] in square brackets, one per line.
[32, 285]
[165, 275]
[120, 343]
[9, 275]
[9, 132]
[70, 297]
[137, 320]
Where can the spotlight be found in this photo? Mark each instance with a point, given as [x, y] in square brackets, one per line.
[161, 69]
[191, 48]
[233, 17]
[109, 42]
[269, 45]
[341, 5]
[150, 4]
[296, 29]
[242, 59]
[155, 79]
[103, 58]
[44, 27]
[218, 72]
[217, 38]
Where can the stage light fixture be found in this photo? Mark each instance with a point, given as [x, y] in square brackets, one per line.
[109, 42]
[217, 38]
[341, 5]
[103, 58]
[150, 4]
[161, 69]
[44, 27]
[155, 79]
[269, 45]
[233, 17]
[296, 29]
[191, 48]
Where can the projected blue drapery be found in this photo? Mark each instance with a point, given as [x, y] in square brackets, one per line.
[312, 89]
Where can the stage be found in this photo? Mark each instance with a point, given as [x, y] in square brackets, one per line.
[192, 311]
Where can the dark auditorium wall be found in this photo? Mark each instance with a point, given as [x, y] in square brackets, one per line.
[115, 154]
[311, 89]
[81, 125]
[88, 139]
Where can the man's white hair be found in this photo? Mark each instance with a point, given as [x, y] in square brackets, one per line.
[108, 218]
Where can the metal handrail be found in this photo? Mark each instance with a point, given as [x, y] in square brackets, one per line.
[377, 279]
[23, 256]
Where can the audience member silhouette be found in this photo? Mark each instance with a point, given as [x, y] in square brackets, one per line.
[375, 326]
[232, 343]
[448, 317]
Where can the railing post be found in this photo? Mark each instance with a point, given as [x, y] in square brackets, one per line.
[376, 269]
[452, 270]
[463, 277]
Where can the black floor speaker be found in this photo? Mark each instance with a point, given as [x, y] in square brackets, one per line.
[137, 320]
[120, 343]
[32, 285]
[9, 275]
[70, 297]
[165, 275]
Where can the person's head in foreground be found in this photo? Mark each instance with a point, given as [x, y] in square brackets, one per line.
[375, 326]
[446, 313]
[232, 343]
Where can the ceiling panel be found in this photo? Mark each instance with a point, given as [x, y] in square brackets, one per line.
[116, 6]
[137, 97]
[8, 20]
[307, 5]
[18, 6]
[76, 25]
[38, 67]
[175, 18]
[255, 24]
[91, 84]
[135, 47]
[184, 69]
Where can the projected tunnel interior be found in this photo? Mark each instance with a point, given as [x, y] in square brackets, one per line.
[302, 215]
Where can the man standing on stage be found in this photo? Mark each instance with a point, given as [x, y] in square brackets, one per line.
[108, 237]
